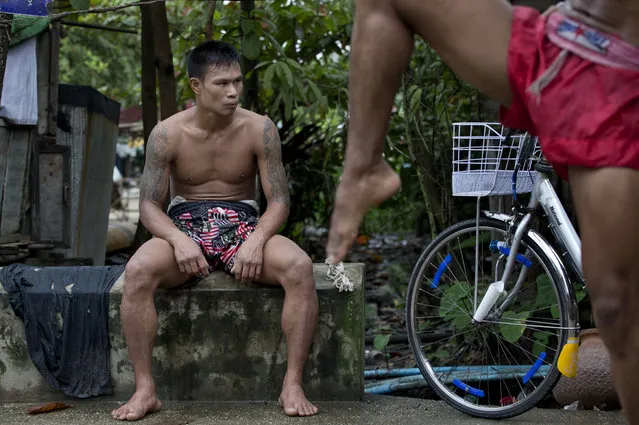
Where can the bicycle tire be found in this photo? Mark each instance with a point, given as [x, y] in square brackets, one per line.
[415, 341]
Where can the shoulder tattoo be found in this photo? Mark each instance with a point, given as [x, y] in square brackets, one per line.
[155, 178]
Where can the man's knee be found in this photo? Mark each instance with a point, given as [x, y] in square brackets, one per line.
[141, 275]
[615, 307]
[299, 272]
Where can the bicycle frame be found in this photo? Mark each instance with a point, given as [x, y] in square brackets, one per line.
[560, 223]
[544, 196]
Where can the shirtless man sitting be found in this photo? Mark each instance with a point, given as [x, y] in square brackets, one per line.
[570, 76]
[209, 155]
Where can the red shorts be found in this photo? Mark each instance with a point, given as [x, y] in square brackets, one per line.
[587, 113]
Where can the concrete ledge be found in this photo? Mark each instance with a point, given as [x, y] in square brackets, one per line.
[217, 341]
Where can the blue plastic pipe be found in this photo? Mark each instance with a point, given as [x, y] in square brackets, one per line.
[469, 373]
[390, 373]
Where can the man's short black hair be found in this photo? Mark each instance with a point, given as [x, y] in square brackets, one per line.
[213, 53]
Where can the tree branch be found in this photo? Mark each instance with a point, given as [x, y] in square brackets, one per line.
[58, 16]
[97, 27]
[209, 20]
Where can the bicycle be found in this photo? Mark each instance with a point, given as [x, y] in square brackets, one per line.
[490, 344]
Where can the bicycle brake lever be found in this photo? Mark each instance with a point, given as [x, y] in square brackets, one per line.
[526, 150]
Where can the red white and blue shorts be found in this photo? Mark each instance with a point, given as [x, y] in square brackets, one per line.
[218, 227]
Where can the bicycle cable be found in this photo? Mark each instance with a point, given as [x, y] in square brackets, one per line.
[524, 154]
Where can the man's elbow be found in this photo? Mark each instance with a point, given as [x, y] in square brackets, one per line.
[283, 205]
[287, 208]
[146, 210]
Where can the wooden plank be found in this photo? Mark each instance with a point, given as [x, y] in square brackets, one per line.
[51, 222]
[75, 140]
[4, 153]
[43, 50]
[15, 180]
[96, 194]
[50, 186]
[26, 190]
[9, 239]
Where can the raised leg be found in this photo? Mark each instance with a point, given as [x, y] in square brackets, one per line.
[472, 37]
[152, 266]
[608, 212]
[287, 265]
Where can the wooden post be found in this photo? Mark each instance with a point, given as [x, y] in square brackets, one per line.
[251, 88]
[164, 60]
[149, 98]
[149, 88]
[54, 71]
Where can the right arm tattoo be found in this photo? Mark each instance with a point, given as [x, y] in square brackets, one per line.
[154, 184]
[276, 174]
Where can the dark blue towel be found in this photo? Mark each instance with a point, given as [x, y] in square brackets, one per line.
[65, 311]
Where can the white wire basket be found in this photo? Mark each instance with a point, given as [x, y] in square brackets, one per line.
[483, 165]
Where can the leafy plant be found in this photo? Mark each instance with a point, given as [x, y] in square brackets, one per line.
[455, 306]
[108, 61]
[381, 341]
[512, 332]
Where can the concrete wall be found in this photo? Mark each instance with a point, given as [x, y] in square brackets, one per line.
[217, 341]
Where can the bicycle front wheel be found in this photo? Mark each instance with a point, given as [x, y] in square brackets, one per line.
[506, 363]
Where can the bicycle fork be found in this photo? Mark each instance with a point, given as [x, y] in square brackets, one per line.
[496, 289]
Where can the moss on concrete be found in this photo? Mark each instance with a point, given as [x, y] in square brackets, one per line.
[17, 351]
[223, 341]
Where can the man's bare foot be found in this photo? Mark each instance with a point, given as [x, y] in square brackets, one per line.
[356, 194]
[139, 406]
[294, 402]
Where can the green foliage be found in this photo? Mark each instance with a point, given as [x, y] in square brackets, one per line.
[512, 332]
[301, 49]
[80, 4]
[455, 307]
[546, 295]
[541, 342]
[431, 99]
[456, 310]
[381, 341]
[580, 291]
[60, 6]
[107, 61]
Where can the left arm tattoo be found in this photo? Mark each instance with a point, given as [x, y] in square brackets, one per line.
[276, 174]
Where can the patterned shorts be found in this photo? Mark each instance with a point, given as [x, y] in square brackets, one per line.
[219, 228]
